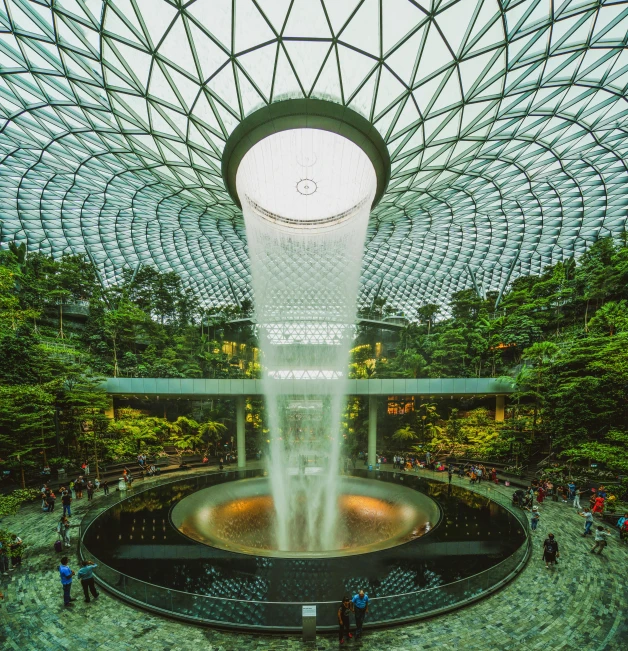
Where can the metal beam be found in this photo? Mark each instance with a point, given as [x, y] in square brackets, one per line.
[478, 290]
[505, 284]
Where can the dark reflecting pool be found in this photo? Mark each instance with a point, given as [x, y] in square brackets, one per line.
[475, 545]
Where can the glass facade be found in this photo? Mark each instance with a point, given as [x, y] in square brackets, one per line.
[506, 123]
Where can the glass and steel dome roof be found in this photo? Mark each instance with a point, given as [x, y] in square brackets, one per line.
[506, 123]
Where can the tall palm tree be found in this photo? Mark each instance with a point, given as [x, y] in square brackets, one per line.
[212, 432]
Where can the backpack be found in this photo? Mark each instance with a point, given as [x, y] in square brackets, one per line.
[58, 546]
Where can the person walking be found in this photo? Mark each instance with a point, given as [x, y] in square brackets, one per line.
[66, 500]
[540, 495]
[360, 607]
[343, 620]
[86, 576]
[588, 520]
[550, 551]
[601, 534]
[494, 476]
[66, 575]
[105, 487]
[479, 474]
[90, 491]
[450, 472]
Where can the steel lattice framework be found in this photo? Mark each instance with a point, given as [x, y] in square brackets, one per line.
[506, 123]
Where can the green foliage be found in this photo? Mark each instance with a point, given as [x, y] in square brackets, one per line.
[404, 435]
[10, 504]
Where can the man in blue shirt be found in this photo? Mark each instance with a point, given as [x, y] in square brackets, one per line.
[86, 575]
[66, 581]
[360, 606]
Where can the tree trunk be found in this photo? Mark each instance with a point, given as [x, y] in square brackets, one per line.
[23, 480]
[96, 452]
[115, 358]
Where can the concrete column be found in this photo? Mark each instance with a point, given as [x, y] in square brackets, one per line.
[500, 404]
[372, 448]
[109, 411]
[240, 423]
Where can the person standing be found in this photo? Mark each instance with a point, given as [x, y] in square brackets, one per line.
[66, 575]
[588, 520]
[105, 487]
[343, 620]
[550, 551]
[576, 498]
[50, 501]
[478, 474]
[534, 520]
[540, 495]
[65, 531]
[66, 500]
[598, 507]
[15, 548]
[360, 607]
[601, 535]
[4, 559]
[494, 475]
[86, 575]
[90, 491]
[450, 472]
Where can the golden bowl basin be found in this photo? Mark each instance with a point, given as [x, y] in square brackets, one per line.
[239, 516]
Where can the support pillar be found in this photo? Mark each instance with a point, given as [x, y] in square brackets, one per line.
[500, 404]
[240, 424]
[109, 410]
[372, 446]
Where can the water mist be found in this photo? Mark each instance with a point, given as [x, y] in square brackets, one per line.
[306, 195]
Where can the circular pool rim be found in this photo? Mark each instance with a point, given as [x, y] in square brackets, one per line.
[420, 503]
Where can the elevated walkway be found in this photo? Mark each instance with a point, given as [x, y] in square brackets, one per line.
[200, 388]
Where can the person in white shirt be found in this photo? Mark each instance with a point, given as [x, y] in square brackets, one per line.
[601, 535]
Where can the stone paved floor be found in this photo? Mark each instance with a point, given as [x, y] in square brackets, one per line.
[583, 606]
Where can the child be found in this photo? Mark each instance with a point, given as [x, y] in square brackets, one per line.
[536, 516]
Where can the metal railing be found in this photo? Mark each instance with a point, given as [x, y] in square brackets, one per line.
[257, 614]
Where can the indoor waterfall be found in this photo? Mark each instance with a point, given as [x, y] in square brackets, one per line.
[306, 195]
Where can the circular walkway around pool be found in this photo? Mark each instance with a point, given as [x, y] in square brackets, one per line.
[582, 605]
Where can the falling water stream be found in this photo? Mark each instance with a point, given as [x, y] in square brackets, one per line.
[306, 195]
